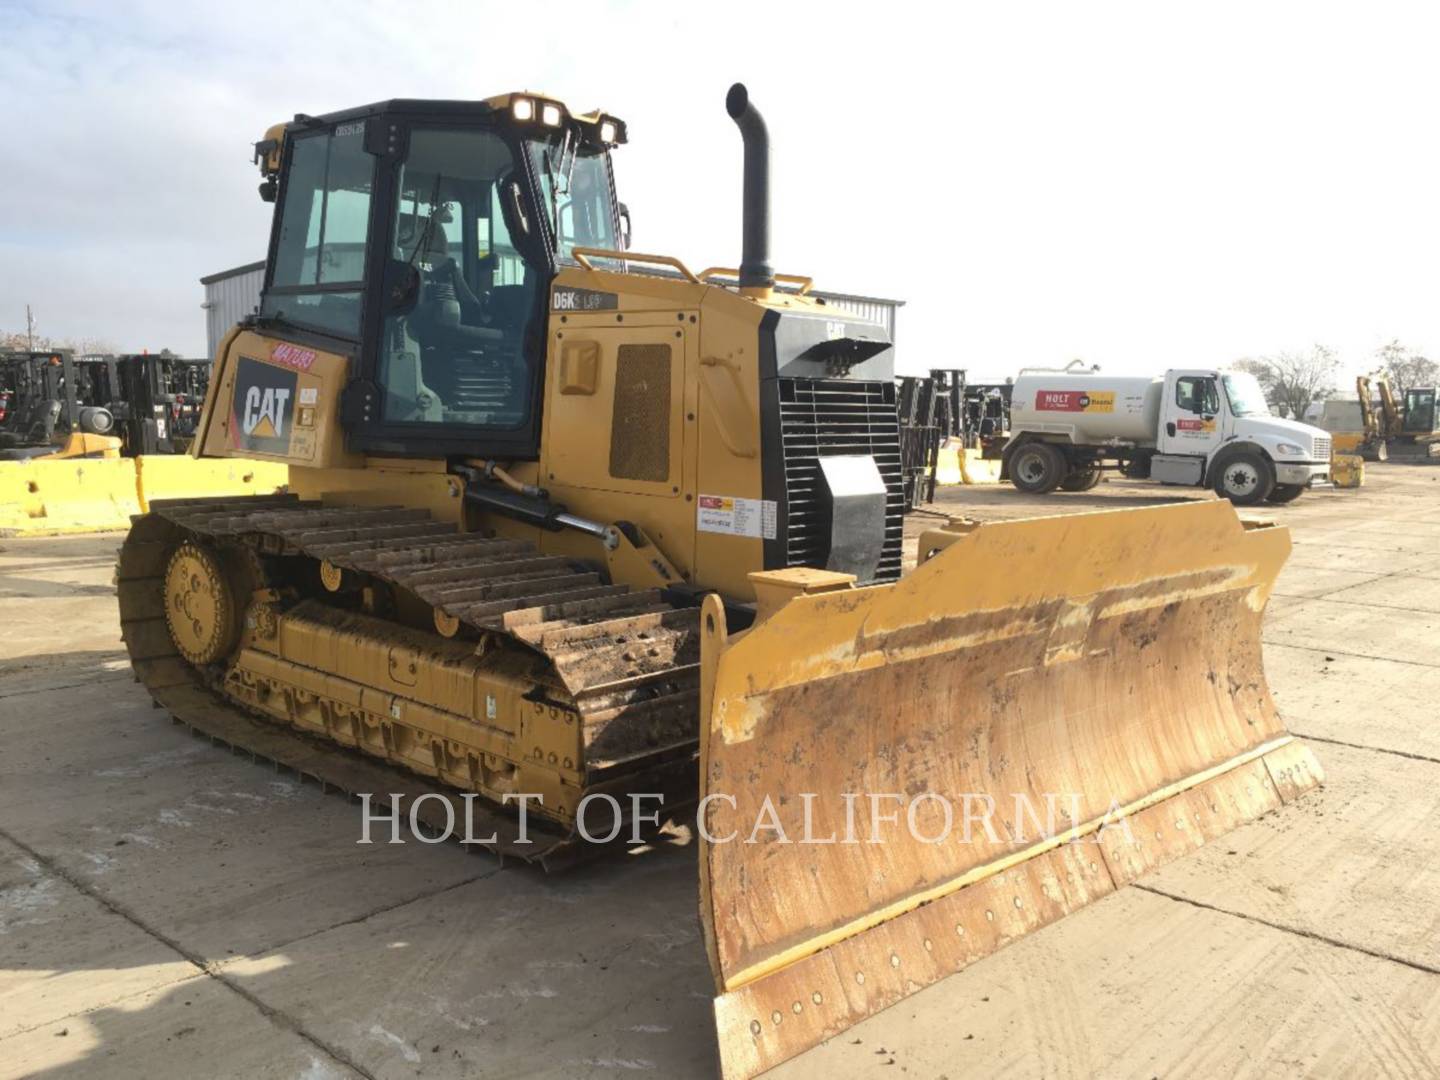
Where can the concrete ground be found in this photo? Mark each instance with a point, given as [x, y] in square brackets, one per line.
[168, 908]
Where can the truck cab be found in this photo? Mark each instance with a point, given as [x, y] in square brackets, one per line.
[1192, 426]
[1210, 416]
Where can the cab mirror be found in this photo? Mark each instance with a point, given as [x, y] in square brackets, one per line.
[624, 227]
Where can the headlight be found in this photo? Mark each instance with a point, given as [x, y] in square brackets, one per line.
[523, 109]
[1289, 448]
[607, 132]
[551, 115]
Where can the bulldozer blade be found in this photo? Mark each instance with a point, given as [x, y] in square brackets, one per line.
[898, 780]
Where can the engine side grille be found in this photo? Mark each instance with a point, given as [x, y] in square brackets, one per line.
[1322, 449]
[825, 418]
[640, 427]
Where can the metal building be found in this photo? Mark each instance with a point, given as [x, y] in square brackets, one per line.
[230, 295]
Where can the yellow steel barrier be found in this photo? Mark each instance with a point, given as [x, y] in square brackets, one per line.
[79, 495]
[1346, 442]
[957, 465]
[1347, 470]
[947, 466]
[184, 477]
[979, 470]
[39, 498]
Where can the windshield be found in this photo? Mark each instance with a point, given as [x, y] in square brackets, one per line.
[1246, 397]
[575, 192]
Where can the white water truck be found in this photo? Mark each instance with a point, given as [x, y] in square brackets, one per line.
[1198, 427]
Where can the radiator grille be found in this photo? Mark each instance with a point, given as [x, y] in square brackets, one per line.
[640, 424]
[825, 418]
[1322, 449]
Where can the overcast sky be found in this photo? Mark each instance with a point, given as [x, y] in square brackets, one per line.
[1139, 185]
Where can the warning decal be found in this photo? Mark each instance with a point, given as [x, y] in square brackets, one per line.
[737, 517]
[1075, 400]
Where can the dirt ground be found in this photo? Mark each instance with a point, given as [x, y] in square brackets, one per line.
[169, 909]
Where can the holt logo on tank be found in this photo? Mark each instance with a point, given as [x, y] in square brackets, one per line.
[1075, 400]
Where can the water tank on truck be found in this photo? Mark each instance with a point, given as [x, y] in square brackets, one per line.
[1091, 408]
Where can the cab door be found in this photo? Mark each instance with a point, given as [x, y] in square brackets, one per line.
[1191, 420]
[1420, 418]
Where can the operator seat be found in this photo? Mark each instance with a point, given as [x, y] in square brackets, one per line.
[438, 321]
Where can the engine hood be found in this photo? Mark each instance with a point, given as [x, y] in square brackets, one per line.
[819, 343]
[1280, 428]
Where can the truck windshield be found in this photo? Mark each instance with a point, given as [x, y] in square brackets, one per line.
[1246, 397]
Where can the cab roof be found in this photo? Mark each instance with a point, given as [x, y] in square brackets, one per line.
[461, 109]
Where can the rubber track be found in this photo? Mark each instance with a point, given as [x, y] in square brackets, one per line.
[625, 659]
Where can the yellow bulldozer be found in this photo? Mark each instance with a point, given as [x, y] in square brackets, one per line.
[576, 527]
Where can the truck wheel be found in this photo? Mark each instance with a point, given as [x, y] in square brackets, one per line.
[1245, 478]
[1081, 480]
[1038, 468]
[1284, 493]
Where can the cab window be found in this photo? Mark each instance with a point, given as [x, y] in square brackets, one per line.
[1420, 411]
[576, 193]
[1197, 394]
[492, 241]
[455, 352]
[323, 230]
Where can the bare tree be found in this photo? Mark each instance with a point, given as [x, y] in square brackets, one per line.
[89, 346]
[83, 346]
[1293, 381]
[1406, 368]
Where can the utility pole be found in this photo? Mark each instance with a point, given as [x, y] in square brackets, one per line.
[29, 329]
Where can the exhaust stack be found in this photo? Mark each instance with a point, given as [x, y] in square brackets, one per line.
[755, 271]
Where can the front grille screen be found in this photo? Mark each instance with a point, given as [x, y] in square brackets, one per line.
[830, 417]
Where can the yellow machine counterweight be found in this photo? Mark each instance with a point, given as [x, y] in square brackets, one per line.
[566, 520]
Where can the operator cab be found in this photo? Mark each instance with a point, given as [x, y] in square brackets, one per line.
[420, 237]
[1421, 417]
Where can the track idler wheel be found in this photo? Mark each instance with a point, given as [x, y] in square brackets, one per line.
[200, 604]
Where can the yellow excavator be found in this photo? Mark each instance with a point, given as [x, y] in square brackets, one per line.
[1411, 431]
[566, 520]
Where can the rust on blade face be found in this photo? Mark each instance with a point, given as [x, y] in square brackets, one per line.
[982, 725]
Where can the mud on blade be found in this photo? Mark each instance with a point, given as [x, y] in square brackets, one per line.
[1110, 661]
